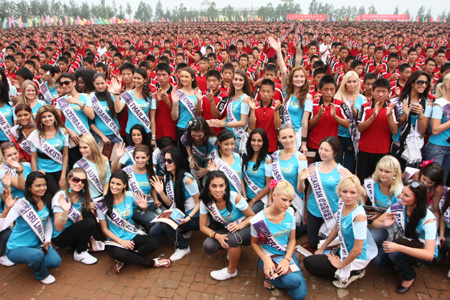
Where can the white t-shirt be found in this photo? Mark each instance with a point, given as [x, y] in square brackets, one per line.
[324, 56]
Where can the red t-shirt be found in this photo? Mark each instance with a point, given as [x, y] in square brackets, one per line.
[221, 99]
[165, 126]
[201, 82]
[265, 119]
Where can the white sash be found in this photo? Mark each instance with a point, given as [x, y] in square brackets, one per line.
[23, 144]
[186, 102]
[251, 185]
[409, 173]
[92, 176]
[196, 152]
[117, 219]
[70, 115]
[170, 192]
[240, 132]
[214, 211]
[73, 213]
[298, 202]
[30, 216]
[397, 208]
[369, 186]
[322, 202]
[134, 184]
[5, 126]
[46, 93]
[231, 174]
[9, 168]
[445, 107]
[136, 110]
[354, 132]
[445, 214]
[103, 115]
[262, 228]
[344, 250]
[45, 147]
[130, 151]
[286, 116]
[159, 158]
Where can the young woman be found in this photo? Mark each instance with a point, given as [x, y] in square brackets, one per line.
[228, 161]
[139, 176]
[70, 229]
[48, 86]
[349, 93]
[231, 215]
[49, 145]
[6, 114]
[444, 226]
[106, 126]
[141, 108]
[287, 164]
[199, 141]
[438, 147]
[18, 170]
[298, 105]
[20, 132]
[322, 202]
[180, 191]
[417, 107]
[273, 238]
[357, 247]
[29, 96]
[29, 242]
[127, 245]
[417, 234]
[237, 110]
[257, 170]
[124, 155]
[184, 100]
[96, 166]
[84, 81]
[4, 235]
[77, 110]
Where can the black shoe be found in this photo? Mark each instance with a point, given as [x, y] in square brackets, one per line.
[401, 289]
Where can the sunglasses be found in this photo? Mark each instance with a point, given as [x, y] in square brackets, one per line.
[8, 144]
[78, 180]
[66, 83]
[423, 82]
[414, 184]
[168, 161]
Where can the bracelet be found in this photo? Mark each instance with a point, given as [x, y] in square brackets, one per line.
[287, 259]
[116, 94]
[225, 125]
[211, 234]
[304, 138]
[420, 119]
[214, 235]
[20, 172]
[83, 106]
[63, 219]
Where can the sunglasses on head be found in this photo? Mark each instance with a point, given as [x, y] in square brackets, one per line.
[7, 144]
[423, 82]
[414, 184]
[78, 180]
[66, 83]
[168, 161]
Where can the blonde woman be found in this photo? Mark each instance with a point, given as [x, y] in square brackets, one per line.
[29, 96]
[96, 166]
[357, 245]
[350, 93]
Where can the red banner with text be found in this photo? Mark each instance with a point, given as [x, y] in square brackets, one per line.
[369, 17]
[306, 17]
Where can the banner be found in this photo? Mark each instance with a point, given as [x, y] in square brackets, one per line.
[389, 17]
[306, 17]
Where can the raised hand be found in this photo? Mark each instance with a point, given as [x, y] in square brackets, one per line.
[141, 201]
[212, 166]
[175, 97]
[274, 44]
[64, 203]
[389, 219]
[120, 150]
[115, 86]
[157, 184]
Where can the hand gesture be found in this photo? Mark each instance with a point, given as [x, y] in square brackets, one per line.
[321, 110]
[210, 96]
[274, 44]
[120, 150]
[393, 77]
[344, 172]
[6, 180]
[305, 173]
[397, 91]
[333, 110]
[198, 94]
[9, 200]
[304, 148]
[417, 108]
[233, 227]
[74, 137]
[157, 184]
[193, 164]
[277, 104]
[201, 172]
[64, 203]
[222, 239]
[283, 267]
[142, 201]
[251, 105]
[269, 268]
[115, 86]
[175, 98]
[15, 164]
[406, 107]
[389, 219]
[105, 140]
[376, 109]
[212, 166]
[390, 109]
[334, 260]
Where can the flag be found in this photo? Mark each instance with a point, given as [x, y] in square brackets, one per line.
[60, 22]
[4, 23]
[431, 19]
[184, 19]
[78, 20]
[71, 21]
[439, 19]
[66, 20]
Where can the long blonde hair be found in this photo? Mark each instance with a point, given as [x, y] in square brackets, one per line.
[25, 84]
[99, 159]
[342, 93]
[441, 89]
[390, 163]
[303, 90]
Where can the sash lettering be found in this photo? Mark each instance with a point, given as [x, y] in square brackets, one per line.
[45, 146]
[5, 126]
[214, 211]
[103, 115]
[70, 115]
[252, 186]
[138, 112]
[231, 174]
[134, 184]
[261, 227]
[23, 144]
[117, 219]
[370, 189]
[190, 106]
[240, 132]
[196, 152]
[46, 93]
[397, 208]
[344, 250]
[92, 176]
[30, 216]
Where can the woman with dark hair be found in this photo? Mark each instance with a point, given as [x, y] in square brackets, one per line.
[124, 154]
[141, 107]
[416, 230]
[106, 126]
[126, 244]
[20, 132]
[444, 226]
[29, 242]
[12, 90]
[71, 230]
[49, 145]
[77, 110]
[179, 190]
[199, 141]
[257, 170]
[85, 81]
[6, 114]
[322, 203]
[186, 100]
[47, 87]
[231, 215]
[417, 108]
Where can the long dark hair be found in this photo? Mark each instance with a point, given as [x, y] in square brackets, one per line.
[420, 211]
[149, 165]
[199, 124]
[446, 202]
[109, 198]
[146, 93]
[4, 79]
[109, 100]
[224, 135]
[192, 73]
[31, 178]
[435, 172]
[247, 89]
[250, 152]
[335, 144]
[408, 86]
[4, 93]
[206, 196]
[181, 165]
[20, 107]
[145, 137]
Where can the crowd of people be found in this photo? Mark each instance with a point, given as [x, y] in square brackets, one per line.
[254, 133]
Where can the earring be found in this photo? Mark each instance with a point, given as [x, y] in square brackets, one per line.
[32, 125]
[19, 126]
[70, 190]
[394, 178]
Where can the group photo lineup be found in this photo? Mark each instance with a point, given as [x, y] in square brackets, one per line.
[270, 154]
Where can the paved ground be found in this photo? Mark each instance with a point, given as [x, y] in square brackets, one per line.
[189, 279]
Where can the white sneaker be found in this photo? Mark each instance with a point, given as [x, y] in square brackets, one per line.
[344, 285]
[223, 274]
[187, 235]
[4, 260]
[180, 253]
[84, 257]
[448, 274]
[48, 280]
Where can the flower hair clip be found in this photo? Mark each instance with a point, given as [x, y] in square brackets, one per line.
[273, 183]
[426, 163]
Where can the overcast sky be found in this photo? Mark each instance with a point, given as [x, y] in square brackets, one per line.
[383, 6]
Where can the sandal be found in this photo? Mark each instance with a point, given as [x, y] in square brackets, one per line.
[268, 285]
[162, 262]
[118, 265]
